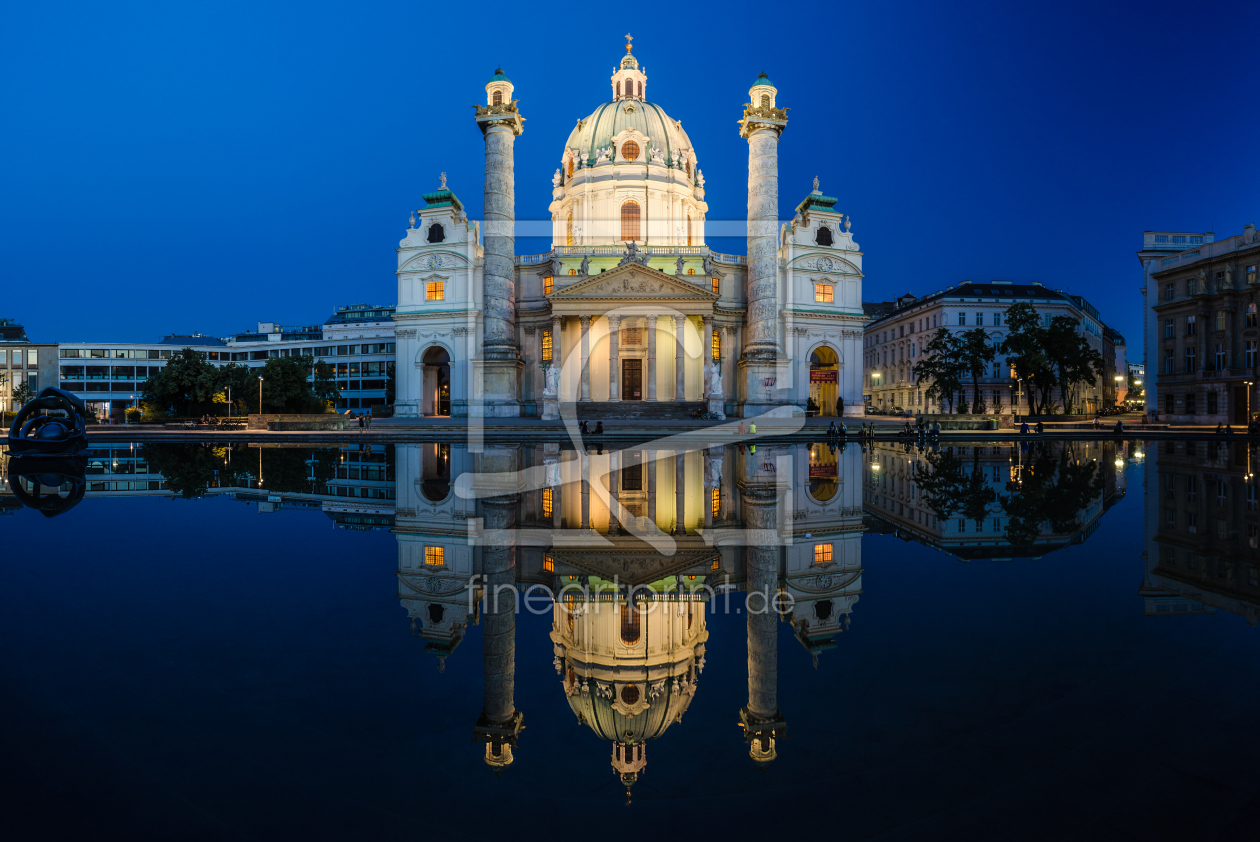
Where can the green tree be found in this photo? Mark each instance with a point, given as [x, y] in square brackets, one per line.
[1025, 350]
[285, 387]
[941, 363]
[324, 384]
[1074, 360]
[975, 353]
[23, 393]
[186, 385]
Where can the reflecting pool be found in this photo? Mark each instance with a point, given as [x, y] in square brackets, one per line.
[1006, 640]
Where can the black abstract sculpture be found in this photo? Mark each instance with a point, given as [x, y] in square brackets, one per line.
[37, 481]
[35, 433]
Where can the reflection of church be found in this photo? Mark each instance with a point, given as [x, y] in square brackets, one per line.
[630, 304]
[635, 546]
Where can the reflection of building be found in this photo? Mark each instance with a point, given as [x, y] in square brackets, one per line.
[630, 301]
[631, 547]
[1203, 529]
[989, 489]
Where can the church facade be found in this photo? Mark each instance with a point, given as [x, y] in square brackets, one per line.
[630, 314]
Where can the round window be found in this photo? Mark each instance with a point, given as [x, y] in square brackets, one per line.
[630, 150]
[629, 694]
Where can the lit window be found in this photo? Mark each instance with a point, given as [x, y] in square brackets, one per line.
[717, 562]
[717, 344]
[547, 282]
[765, 100]
[549, 564]
[688, 230]
[569, 238]
[822, 554]
[572, 271]
[435, 556]
[824, 293]
[630, 219]
[691, 271]
[716, 503]
[716, 285]
[630, 151]
[435, 290]
[546, 346]
[546, 504]
[497, 98]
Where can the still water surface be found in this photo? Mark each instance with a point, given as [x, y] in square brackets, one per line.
[989, 641]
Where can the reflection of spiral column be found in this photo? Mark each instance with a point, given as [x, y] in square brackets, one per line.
[761, 719]
[500, 721]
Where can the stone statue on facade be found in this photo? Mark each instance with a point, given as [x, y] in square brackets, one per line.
[679, 263]
[816, 190]
[586, 266]
[656, 156]
[603, 155]
[713, 468]
[556, 267]
[441, 181]
[1229, 276]
[553, 472]
[712, 380]
[556, 179]
[552, 386]
[699, 178]
[848, 223]
[632, 255]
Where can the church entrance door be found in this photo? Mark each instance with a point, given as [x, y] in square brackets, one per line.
[632, 380]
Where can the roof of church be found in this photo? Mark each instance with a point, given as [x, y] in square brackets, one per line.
[499, 77]
[763, 79]
[601, 715]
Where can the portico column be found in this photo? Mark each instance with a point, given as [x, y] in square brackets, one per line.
[585, 462]
[614, 484]
[613, 373]
[556, 357]
[651, 480]
[680, 377]
[706, 354]
[586, 354]
[680, 478]
[651, 361]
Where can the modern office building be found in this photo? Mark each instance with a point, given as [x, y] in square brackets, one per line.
[357, 340]
[1209, 332]
[23, 362]
[900, 329]
[1158, 246]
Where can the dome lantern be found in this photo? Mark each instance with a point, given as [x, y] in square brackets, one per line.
[499, 89]
[763, 92]
[628, 80]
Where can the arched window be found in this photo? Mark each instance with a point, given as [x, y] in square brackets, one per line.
[630, 150]
[823, 237]
[629, 624]
[630, 221]
[688, 166]
[435, 613]
[688, 230]
[569, 230]
[640, 90]
[570, 168]
[629, 696]
[717, 345]
[765, 100]
[496, 98]
[436, 233]
[618, 90]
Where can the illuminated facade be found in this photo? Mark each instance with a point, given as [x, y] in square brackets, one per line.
[630, 306]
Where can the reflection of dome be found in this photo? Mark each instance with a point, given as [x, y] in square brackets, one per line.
[657, 705]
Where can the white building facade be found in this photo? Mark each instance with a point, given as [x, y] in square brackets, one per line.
[630, 306]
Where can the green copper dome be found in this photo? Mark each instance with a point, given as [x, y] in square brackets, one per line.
[612, 118]
[763, 79]
[499, 77]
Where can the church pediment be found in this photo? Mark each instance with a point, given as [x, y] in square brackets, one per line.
[635, 282]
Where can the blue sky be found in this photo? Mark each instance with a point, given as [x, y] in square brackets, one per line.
[180, 167]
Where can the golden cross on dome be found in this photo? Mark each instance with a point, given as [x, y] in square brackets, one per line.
[629, 38]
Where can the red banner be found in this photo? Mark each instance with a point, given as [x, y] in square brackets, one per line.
[823, 376]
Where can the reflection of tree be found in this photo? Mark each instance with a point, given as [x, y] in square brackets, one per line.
[1051, 488]
[190, 468]
[947, 487]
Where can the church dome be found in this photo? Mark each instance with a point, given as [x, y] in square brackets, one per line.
[612, 119]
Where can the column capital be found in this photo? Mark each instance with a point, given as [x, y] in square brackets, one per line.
[707, 318]
[613, 319]
[651, 320]
[586, 322]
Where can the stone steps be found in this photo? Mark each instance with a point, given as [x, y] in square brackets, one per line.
[633, 410]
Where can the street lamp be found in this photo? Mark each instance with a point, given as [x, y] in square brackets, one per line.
[260, 380]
